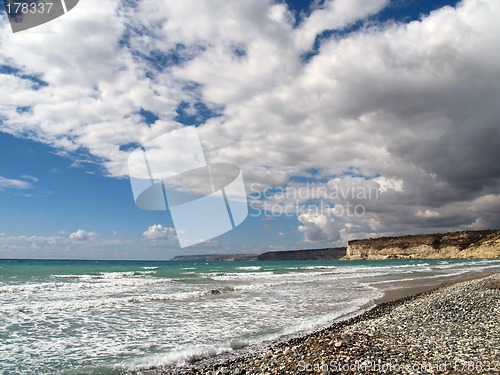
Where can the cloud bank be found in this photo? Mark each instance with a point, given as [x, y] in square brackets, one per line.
[410, 107]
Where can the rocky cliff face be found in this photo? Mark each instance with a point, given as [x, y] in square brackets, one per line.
[469, 244]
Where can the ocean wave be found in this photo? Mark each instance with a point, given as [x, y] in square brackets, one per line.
[109, 302]
[288, 278]
[105, 275]
[403, 268]
[178, 357]
[249, 268]
[187, 355]
[91, 285]
[317, 268]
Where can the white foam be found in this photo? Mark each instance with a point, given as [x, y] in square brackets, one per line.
[313, 275]
[85, 284]
[95, 303]
[356, 307]
[177, 357]
[105, 275]
[317, 268]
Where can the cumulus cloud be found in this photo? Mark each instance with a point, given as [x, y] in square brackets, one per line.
[158, 231]
[82, 235]
[410, 107]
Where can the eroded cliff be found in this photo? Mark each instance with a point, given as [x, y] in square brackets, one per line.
[467, 244]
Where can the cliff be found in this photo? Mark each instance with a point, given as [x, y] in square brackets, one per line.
[468, 244]
[312, 254]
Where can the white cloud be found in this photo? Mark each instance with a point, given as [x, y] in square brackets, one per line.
[318, 228]
[11, 183]
[487, 203]
[82, 235]
[414, 104]
[387, 184]
[333, 15]
[158, 231]
[427, 213]
[31, 178]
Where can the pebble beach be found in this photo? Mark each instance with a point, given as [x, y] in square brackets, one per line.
[450, 330]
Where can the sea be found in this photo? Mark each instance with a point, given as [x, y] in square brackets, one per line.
[114, 317]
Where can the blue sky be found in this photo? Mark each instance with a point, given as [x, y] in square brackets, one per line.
[347, 97]
[61, 195]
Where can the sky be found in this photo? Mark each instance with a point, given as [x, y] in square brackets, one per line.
[348, 119]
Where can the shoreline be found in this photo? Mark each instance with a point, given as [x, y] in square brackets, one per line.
[327, 344]
[416, 288]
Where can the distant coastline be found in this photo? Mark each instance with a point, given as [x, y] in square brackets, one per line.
[462, 244]
[308, 254]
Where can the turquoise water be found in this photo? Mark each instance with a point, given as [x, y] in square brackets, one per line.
[113, 317]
